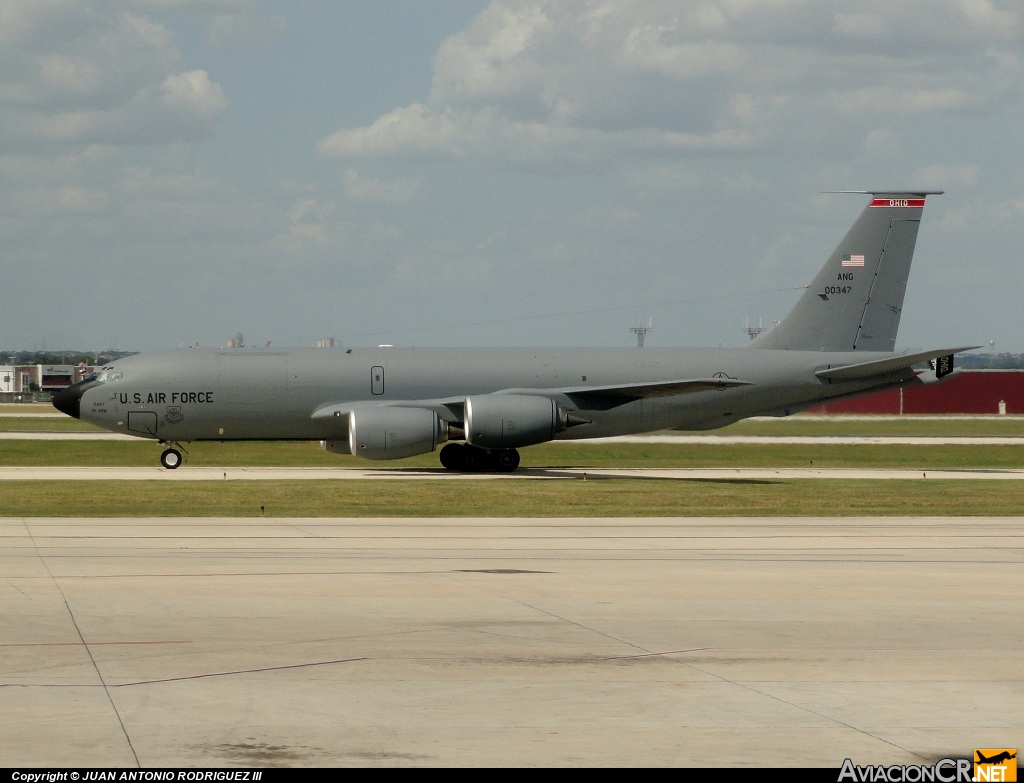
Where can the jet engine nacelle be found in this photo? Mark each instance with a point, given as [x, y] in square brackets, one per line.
[506, 421]
[391, 433]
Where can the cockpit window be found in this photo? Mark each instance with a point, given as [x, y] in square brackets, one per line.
[105, 376]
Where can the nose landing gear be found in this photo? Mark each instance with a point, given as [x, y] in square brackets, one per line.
[171, 457]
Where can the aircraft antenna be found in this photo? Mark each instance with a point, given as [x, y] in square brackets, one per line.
[641, 333]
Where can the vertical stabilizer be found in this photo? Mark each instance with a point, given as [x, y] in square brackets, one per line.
[854, 303]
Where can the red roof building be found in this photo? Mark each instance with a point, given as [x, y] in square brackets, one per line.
[968, 391]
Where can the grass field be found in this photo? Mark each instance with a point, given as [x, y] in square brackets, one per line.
[518, 498]
[549, 455]
[545, 497]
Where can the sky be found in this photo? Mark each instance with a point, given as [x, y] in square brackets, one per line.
[517, 172]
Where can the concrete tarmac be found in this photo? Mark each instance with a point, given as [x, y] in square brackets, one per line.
[647, 642]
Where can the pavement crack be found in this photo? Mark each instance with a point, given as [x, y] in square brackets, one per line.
[85, 644]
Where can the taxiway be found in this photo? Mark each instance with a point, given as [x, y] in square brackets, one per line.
[703, 642]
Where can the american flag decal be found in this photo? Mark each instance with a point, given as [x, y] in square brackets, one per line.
[853, 259]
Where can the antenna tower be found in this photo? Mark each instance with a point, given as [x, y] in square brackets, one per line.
[641, 333]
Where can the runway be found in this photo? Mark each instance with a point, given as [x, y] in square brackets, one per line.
[383, 473]
[679, 642]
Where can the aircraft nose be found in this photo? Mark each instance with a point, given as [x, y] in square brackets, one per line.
[69, 400]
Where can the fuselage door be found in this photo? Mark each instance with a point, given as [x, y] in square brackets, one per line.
[377, 380]
[142, 422]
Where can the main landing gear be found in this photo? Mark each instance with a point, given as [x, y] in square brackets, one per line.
[171, 457]
[472, 459]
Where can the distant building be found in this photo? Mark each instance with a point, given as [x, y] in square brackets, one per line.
[54, 377]
[24, 382]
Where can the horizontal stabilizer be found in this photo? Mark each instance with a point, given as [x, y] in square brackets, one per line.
[877, 367]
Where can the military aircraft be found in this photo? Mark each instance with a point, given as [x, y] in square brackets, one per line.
[484, 404]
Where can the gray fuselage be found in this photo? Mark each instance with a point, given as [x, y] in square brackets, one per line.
[242, 394]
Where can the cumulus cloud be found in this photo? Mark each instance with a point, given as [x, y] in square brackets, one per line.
[534, 82]
[192, 97]
[307, 228]
[414, 129]
[183, 106]
[80, 72]
[360, 188]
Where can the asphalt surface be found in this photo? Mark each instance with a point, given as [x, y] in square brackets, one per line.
[383, 473]
[681, 642]
[450, 642]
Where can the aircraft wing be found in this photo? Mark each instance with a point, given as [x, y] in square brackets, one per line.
[583, 397]
[849, 372]
[611, 396]
[604, 397]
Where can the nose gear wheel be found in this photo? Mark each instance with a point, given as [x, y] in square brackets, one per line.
[171, 457]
